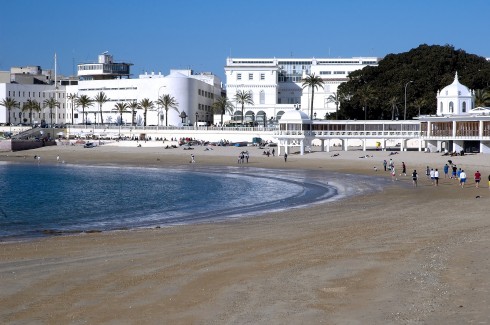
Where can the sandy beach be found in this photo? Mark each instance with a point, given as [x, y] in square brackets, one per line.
[403, 255]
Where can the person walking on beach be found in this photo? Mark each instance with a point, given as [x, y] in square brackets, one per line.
[385, 163]
[462, 178]
[427, 172]
[414, 178]
[454, 172]
[404, 169]
[285, 157]
[446, 170]
[436, 177]
[273, 152]
[193, 160]
[432, 175]
[477, 179]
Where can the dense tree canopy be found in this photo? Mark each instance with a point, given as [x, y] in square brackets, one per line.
[370, 92]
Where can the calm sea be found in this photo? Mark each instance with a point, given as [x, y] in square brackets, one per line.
[40, 200]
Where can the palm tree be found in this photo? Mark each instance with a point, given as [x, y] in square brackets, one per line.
[9, 103]
[393, 102]
[335, 98]
[101, 98]
[133, 106]
[31, 105]
[313, 82]
[244, 97]
[121, 108]
[73, 98]
[366, 95]
[146, 105]
[85, 102]
[221, 106]
[167, 101]
[420, 103]
[51, 103]
[482, 98]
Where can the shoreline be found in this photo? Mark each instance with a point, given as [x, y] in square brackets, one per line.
[402, 255]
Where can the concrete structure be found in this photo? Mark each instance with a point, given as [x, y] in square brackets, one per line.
[276, 84]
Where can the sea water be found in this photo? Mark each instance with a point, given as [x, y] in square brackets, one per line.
[38, 200]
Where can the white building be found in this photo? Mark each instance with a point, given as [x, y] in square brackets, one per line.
[194, 93]
[455, 99]
[276, 83]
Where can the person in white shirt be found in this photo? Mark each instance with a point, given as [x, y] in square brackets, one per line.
[436, 177]
[462, 178]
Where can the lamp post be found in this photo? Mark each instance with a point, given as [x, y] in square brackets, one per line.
[405, 110]
[197, 115]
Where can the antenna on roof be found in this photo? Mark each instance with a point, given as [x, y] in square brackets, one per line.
[105, 52]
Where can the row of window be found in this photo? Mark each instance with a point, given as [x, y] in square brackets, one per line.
[250, 76]
[105, 88]
[33, 93]
[203, 107]
[206, 94]
[330, 72]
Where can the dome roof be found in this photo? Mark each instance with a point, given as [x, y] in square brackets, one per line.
[294, 116]
[455, 89]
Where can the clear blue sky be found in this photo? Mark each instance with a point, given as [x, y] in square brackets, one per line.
[201, 34]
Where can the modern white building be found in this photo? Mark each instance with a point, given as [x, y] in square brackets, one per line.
[276, 83]
[194, 93]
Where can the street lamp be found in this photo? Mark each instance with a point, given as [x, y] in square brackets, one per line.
[197, 115]
[405, 111]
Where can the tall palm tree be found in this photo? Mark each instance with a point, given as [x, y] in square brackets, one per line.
[313, 82]
[420, 103]
[51, 103]
[243, 97]
[366, 95]
[31, 105]
[167, 102]
[133, 106]
[73, 98]
[221, 106]
[101, 98]
[146, 105]
[121, 108]
[9, 103]
[335, 98]
[85, 102]
[393, 102]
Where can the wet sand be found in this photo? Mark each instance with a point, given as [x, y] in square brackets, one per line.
[400, 256]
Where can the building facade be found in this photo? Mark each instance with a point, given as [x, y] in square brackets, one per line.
[194, 94]
[276, 84]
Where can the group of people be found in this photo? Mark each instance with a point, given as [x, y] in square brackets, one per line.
[451, 172]
[243, 157]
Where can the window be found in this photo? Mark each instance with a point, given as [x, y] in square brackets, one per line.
[262, 76]
[463, 109]
[250, 76]
[451, 107]
[238, 76]
[442, 107]
[262, 97]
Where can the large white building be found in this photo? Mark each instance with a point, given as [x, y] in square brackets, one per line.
[194, 93]
[276, 83]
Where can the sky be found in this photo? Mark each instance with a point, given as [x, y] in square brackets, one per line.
[200, 34]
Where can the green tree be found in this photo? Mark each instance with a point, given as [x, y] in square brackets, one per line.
[121, 108]
[335, 98]
[167, 102]
[482, 98]
[221, 106]
[73, 98]
[101, 98]
[394, 107]
[243, 97]
[133, 106]
[51, 103]
[9, 103]
[31, 106]
[146, 105]
[313, 82]
[84, 101]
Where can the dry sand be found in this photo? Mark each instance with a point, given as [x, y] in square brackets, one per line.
[401, 256]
